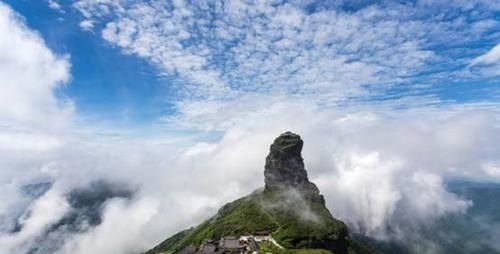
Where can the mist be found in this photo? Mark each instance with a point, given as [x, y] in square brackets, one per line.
[384, 176]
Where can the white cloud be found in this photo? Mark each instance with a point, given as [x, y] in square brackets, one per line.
[30, 74]
[489, 62]
[54, 4]
[40, 215]
[490, 57]
[222, 53]
[128, 237]
[492, 167]
[265, 48]
[28, 141]
[375, 170]
[87, 25]
[32, 121]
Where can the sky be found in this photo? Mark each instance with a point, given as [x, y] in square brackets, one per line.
[179, 101]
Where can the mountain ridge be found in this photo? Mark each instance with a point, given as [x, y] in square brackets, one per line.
[289, 206]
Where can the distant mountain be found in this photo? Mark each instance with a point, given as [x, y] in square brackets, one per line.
[289, 207]
[86, 205]
[475, 232]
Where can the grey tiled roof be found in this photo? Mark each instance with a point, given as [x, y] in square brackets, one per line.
[207, 249]
[231, 243]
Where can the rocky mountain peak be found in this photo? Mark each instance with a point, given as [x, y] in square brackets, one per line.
[284, 164]
[290, 208]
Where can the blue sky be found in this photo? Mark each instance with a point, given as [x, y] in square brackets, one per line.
[367, 51]
[105, 84]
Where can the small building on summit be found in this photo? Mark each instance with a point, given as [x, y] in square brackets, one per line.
[231, 244]
[249, 242]
[262, 235]
[208, 248]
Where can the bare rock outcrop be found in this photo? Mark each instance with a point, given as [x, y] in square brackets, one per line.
[285, 169]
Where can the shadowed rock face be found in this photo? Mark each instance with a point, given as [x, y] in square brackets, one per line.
[290, 207]
[285, 169]
[284, 164]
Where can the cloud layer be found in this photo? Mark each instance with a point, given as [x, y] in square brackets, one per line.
[29, 74]
[384, 176]
[328, 54]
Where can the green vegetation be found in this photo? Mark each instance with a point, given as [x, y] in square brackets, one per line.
[311, 251]
[295, 222]
[267, 247]
[289, 207]
[166, 246]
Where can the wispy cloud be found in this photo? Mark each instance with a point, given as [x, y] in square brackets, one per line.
[488, 64]
[86, 25]
[219, 52]
[409, 157]
[54, 4]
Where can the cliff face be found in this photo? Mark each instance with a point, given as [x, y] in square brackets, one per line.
[284, 169]
[289, 206]
[284, 165]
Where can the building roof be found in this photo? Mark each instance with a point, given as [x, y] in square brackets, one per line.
[207, 249]
[231, 243]
[262, 233]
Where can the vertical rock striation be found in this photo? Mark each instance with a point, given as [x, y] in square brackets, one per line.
[284, 164]
[290, 207]
[284, 168]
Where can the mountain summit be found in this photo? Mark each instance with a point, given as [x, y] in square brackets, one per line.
[289, 208]
[284, 164]
[284, 169]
